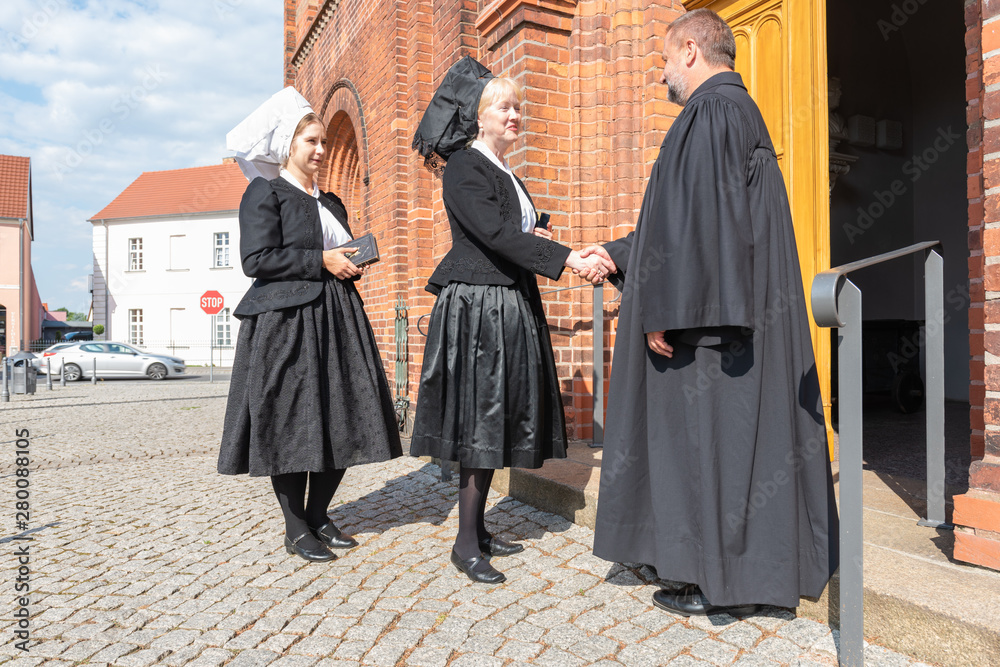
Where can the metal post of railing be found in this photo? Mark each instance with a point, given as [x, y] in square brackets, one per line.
[62, 372]
[836, 302]
[934, 361]
[849, 382]
[93, 379]
[4, 392]
[598, 366]
[48, 373]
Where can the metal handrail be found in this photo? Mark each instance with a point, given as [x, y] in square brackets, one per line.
[836, 303]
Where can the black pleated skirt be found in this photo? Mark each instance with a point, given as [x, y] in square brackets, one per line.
[489, 394]
[308, 390]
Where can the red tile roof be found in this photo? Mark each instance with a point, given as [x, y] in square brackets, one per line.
[179, 191]
[14, 186]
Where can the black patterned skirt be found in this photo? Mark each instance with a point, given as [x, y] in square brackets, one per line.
[308, 391]
[489, 394]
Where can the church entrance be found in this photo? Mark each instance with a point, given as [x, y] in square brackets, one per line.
[898, 176]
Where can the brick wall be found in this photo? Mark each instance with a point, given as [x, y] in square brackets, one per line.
[977, 538]
[594, 121]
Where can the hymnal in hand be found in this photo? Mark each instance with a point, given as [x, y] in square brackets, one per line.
[367, 250]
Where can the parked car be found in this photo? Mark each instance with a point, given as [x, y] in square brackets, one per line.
[51, 349]
[113, 360]
[79, 335]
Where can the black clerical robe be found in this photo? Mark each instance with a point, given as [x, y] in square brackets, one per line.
[715, 467]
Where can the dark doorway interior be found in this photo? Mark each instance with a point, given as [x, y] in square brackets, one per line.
[901, 127]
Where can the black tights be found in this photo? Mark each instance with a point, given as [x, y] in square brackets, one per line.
[300, 515]
[473, 487]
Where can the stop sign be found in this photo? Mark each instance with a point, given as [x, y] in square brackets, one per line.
[211, 302]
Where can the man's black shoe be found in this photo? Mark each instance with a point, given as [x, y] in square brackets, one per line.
[689, 601]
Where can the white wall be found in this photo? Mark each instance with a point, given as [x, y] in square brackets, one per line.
[178, 266]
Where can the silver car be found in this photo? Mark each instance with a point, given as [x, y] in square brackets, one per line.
[114, 360]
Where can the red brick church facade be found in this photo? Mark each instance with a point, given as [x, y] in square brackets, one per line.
[594, 122]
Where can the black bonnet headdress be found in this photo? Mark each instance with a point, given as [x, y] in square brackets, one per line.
[451, 118]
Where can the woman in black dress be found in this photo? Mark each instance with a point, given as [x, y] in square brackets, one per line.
[489, 395]
[309, 396]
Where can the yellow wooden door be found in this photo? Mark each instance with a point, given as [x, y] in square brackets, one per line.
[781, 55]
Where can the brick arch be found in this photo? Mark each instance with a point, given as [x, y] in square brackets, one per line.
[347, 169]
[343, 96]
[343, 171]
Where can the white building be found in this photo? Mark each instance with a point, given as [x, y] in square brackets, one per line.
[159, 246]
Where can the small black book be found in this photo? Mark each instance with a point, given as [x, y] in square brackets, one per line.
[367, 250]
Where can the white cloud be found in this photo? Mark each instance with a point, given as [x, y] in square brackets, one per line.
[97, 92]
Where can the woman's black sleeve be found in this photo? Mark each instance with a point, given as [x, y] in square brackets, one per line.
[261, 240]
[470, 194]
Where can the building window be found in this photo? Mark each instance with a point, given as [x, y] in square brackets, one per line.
[135, 254]
[135, 327]
[221, 249]
[177, 252]
[223, 329]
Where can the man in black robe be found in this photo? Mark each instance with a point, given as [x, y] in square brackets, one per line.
[715, 467]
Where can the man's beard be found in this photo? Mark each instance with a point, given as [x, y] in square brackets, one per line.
[677, 89]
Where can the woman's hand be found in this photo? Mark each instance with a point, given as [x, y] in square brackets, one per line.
[336, 262]
[594, 267]
[543, 232]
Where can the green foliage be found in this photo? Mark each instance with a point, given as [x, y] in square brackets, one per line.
[98, 329]
[71, 316]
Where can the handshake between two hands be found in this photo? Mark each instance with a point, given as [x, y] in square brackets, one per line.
[593, 263]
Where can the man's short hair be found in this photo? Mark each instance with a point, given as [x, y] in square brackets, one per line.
[712, 35]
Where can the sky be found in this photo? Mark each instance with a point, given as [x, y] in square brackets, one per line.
[96, 92]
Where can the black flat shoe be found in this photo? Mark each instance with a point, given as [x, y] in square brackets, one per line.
[489, 576]
[319, 555]
[494, 546]
[690, 601]
[331, 536]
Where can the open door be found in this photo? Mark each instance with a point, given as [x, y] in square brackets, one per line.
[781, 55]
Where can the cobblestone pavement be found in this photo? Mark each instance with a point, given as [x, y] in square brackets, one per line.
[143, 555]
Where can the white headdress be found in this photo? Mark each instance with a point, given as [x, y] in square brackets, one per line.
[262, 141]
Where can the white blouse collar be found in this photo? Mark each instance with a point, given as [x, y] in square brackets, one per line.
[284, 173]
[485, 150]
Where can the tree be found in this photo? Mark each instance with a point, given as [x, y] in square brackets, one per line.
[71, 316]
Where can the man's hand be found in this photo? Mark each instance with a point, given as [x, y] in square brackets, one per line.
[599, 251]
[658, 343]
[593, 268]
[543, 232]
[336, 262]
[593, 264]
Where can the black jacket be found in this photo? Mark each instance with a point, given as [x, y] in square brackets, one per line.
[281, 244]
[487, 244]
